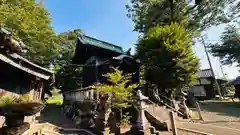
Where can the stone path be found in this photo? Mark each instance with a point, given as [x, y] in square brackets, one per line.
[51, 119]
[53, 114]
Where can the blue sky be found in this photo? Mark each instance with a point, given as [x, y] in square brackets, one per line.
[106, 20]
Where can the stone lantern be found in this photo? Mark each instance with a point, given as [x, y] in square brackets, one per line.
[142, 125]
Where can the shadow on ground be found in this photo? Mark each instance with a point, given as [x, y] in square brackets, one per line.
[222, 108]
[53, 115]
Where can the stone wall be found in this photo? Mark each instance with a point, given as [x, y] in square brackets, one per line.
[78, 105]
[89, 112]
[81, 113]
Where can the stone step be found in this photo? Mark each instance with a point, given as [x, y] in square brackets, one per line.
[159, 120]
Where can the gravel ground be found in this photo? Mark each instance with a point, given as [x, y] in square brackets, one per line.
[226, 114]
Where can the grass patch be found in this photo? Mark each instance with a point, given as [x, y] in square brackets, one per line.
[54, 100]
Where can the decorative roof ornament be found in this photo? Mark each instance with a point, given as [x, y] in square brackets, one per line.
[9, 44]
[128, 52]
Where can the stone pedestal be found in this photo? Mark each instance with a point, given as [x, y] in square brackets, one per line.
[142, 124]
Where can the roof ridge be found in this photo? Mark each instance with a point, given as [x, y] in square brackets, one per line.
[103, 41]
[8, 60]
[17, 56]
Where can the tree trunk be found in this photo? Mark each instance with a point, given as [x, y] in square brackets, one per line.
[120, 116]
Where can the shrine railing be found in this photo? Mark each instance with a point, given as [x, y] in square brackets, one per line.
[81, 94]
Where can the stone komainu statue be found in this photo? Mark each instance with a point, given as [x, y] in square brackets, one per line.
[9, 44]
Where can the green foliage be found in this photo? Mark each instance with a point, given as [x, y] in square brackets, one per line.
[30, 22]
[167, 53]
[226, 86]
[120, 92]
[68, 76]
[125, 120]
[7, 100]
[56, 101]
[150, 13]
[68, 42]
[55, 91]
[228, 49]
[23, 98]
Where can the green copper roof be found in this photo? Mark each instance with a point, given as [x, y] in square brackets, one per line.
[101, 44]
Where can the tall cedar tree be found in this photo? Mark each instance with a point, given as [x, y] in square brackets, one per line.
[68, 75]
[167, 53]
[195, 17]
[228, 49]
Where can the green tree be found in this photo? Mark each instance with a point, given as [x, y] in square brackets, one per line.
[68, 75]
[68, 41]
[149, 13]
[30, 22]
[167, 53]
[121, 94]
[228, 49]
